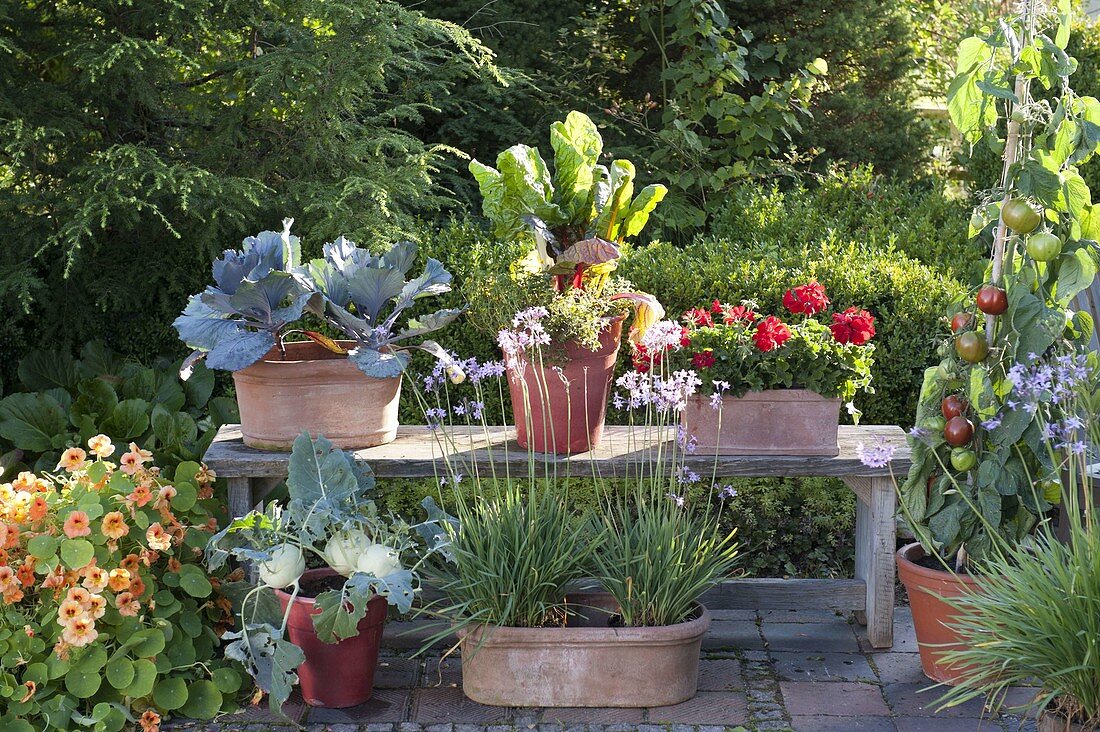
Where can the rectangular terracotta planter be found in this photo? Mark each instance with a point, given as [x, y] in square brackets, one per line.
[772, 422]
[585, 664]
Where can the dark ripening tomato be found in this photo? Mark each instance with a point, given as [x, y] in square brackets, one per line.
[958, 432]
[971, 347]
[962, 321]
[992, 300]
[953, 406]
[1020, 216]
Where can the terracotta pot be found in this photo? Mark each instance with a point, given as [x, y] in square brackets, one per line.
[317, 391]
[1056, 722]
[772, 422]
[338, 674]
[931, 614]
[563, 418]
[585, 664]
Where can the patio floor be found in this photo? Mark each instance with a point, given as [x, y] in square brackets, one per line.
[806, 671]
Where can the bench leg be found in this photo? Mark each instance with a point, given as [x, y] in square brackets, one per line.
[241, 500]
[876, 531]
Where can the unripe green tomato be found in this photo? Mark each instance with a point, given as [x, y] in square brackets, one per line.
[977, 222]
[963, 459]
[934, 424]
[1044, 246]
[1052, 490]
[1019, 116]
[1019, 216]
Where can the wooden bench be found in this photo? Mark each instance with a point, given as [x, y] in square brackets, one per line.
[252, 474]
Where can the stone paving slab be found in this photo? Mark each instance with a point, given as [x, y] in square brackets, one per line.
[803, 671]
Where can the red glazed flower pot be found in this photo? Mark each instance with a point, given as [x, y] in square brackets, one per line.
[317, 391]
[771, 422]
[341, 674]
[931, 615]
[559, 405]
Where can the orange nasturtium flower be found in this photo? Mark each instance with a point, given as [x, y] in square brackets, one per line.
[77, 525]
[101, 446]
[118, 580]
[114, 525]
[80, 632]
[149, 721]
[127, 604]
[72, 459]
[158, 538]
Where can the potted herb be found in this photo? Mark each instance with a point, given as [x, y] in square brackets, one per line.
[512, 575]
[558, 308]
[348, 389]
[769, 386]
[982, 477]
[1037, 616]
[325, 632]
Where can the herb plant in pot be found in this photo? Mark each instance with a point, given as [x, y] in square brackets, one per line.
[565, 229]
[557, 609]
[982, 476]
[348, 389]
[769, 387]
[326, 629]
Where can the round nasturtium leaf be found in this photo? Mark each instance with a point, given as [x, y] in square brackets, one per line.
[108, 717]
[120, 672]
[194, 582]
[15, 725]
[76, 553]
[181, 652]
[39, 673]
[145, 673]
[43, 546]
[57, 667]
[170, 694]
[191, 624]
[93, 660]
[203, 700]
[186, 496]
[148, 643]
[186, 472]
[226, 679]
[82, 684]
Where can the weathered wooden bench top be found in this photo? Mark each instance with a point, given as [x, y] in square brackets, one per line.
[415, 452]
[625, 450]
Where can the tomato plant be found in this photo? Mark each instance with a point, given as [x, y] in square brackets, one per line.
[953, 406]
[1044, 246]
[959, 431]
[971, 347]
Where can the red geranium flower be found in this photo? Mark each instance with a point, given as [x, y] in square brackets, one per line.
[738, 314]
[771, 334]
[807, 299]
[716, 306]
[699, 317]
[703, 359]
[853, 326]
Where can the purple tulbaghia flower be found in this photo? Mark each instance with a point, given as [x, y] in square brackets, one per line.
[686, 476]
[876, 455]
[678, 500]
[992, 423]
[663, 335]
[727, 491]
[460, 410]
[476, 409]
[921, 433]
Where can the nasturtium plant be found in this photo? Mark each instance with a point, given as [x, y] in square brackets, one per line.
[979, 471]
[264, 292]
[63, 401]
[331, 516]
[108, 619]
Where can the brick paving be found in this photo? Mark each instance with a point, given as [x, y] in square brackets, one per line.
[805, 671]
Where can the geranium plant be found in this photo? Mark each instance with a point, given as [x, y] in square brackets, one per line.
[569, 224]
[264, 293]
[331, 520]
[110, 618]
[736, 349]
[979, 465]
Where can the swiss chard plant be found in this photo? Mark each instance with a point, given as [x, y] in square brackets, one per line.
[572, 219]
[330, 517]
[982, 475]
[264, 293]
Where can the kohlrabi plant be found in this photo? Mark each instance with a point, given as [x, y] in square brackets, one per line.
[332, 519]
[264, 293]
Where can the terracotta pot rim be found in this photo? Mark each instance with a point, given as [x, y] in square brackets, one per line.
[654, 635]
[790, 395]
[935, 575]
[274, 357]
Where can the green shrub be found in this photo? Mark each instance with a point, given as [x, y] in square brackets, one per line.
[906, 297]
[65, 401]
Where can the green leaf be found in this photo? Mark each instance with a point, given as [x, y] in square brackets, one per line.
[173, 429]
[43, 370]
[170, 693]
[616, 200]
[145, 675]
[186, 496]
[318, 472]
[76, 553]
[43, 546]
[970, 109]
[33, 422]
[973, 51]
[1076, 272]
[199, 386]
[146, 643]
[128, 420]
[83, 684]
[96, 399]
[204, 700]
[120, 673]
[226, 679]
[193, 581]
[640, 208]
[577, 146]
